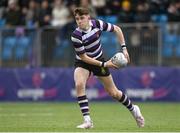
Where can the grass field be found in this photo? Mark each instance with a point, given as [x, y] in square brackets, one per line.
[107, 117]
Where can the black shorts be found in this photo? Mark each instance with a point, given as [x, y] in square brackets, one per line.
[96, 70]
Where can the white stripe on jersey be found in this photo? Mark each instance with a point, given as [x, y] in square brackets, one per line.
[90, 33]
[76, 40]
[93, 44]
[101, 24]
[77, 57]
[79, 49]
[109, 27]
[98, 55]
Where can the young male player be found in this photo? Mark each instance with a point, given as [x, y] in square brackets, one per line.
[89, 59]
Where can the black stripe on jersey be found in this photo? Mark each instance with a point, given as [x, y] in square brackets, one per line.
[77, 45]
[76, 36]
[80, 52]
[93, 48]
[97, 23]
[105, 26]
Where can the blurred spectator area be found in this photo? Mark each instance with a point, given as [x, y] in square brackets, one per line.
[148, 44]
[37, 32]
[39, 13]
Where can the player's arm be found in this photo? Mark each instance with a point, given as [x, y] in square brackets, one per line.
[84, 57]
[108, 27]
[121, 40]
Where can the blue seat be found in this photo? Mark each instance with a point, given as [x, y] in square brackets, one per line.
[162, 18]
[103, 18]
[23, 42]
[170, 42]
[7, 54]
[178, 50]
[22, 46]
[167, 51]
[19, 53]
[111, 19]
[104, 38]
[7, 51]
[109, 44]
[171, 39]
[60, 49]
[9, 42]
[2, 22]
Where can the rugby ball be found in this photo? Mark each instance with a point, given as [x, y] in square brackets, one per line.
[119, 60]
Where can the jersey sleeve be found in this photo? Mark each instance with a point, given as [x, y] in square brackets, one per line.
[77, 43]
[103, 26]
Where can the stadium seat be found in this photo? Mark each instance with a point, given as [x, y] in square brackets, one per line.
[22, 46]
[103, 18]
[6, 53]
[170, 42]
[104, 38]
[167, 51]
[162, 18]
[109, 43]
[2, 22]
[60, 49]
[171, 39]
[111, 19]
[178, 51]
[9, 44]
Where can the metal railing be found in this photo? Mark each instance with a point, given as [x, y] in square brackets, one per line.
[148, 44]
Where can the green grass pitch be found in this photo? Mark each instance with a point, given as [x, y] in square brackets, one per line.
[107, 117]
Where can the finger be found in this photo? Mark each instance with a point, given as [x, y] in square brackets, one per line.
[115, 66]
[127, 57]
[129, 60]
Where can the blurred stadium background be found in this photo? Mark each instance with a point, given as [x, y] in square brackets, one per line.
[37, 57]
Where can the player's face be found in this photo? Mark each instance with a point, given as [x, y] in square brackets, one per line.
[82, 21]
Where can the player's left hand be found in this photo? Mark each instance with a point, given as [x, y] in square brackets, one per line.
[126, 54]
[109, 64]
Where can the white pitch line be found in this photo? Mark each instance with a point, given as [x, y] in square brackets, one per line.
[24, 114]
[24, 109]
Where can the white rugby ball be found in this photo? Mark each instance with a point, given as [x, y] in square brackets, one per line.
[119, 60]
